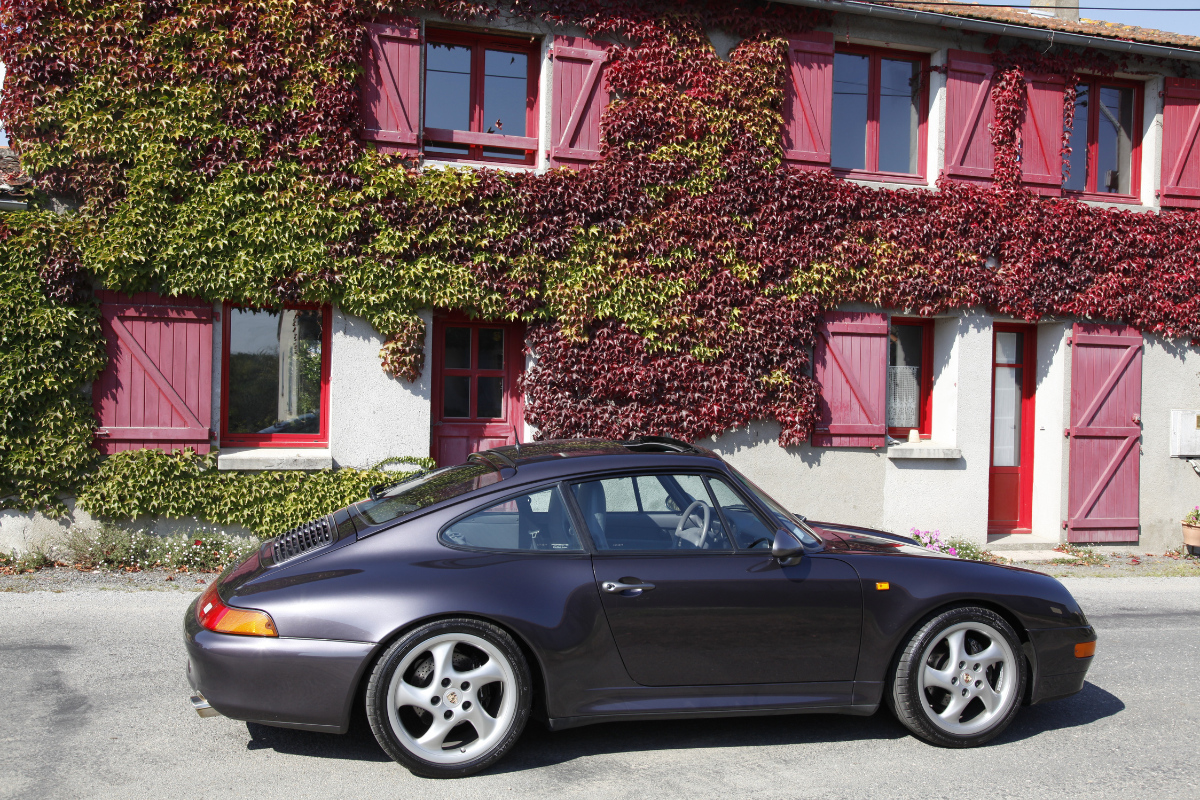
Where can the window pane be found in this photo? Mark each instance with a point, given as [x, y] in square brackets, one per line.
[1009, 347]
[448, 86]
[535, 521]
[1006, 430]
[458, 348]
[490, 400]
[491, 348]
[505, 153]
[849, 144]
[274, 371]
[456, 396]
[748, 529]
[619, 523]
[426, 489]
[1077, 181]
[904, 375]
[505, 92]
[1115, 145]
[899, 82]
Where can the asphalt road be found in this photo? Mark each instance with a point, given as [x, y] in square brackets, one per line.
[93, 703]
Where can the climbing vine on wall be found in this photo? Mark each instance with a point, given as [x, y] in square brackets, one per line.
[673, 287]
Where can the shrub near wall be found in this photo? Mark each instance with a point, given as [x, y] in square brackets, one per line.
[673, 287]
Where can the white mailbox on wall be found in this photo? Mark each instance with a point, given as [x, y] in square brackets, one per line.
[1185, 433]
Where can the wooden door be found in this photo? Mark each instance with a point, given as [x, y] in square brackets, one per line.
[476, 403]
[1105, 432]
[1010, 467]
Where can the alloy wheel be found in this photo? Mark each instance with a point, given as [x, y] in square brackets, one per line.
[967, 678]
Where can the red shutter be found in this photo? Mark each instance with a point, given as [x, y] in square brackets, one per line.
[156, 391]
[1041, 133]
[390, 86]
[1180, 155]
[969, 113]
[579, 98]
[1106, 406]
[850, 366]
[808, 99]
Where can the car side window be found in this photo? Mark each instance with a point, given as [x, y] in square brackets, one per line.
[747, 527]
[534, 521]
[651, 512]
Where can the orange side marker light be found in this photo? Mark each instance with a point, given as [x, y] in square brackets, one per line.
[1085, 649]
[883, 586]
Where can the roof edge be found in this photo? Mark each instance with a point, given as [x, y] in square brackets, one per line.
[998, 28]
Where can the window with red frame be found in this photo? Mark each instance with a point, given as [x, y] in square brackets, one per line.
[275, 376]
[909, 376]
[480, 97]
[1105, 138]
[878, 111]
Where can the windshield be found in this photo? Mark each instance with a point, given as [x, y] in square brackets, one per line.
[785, 518]
[426, 489]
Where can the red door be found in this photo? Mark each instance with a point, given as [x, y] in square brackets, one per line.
[1010, 483]
[476, 404]
[1106, 408]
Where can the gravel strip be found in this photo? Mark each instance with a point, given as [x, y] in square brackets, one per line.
[69, 579]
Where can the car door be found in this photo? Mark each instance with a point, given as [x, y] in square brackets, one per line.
[718, 613]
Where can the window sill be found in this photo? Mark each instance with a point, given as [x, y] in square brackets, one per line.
[1101, 197]
[923, 449]
[881, 177]
[503, 166]
[274, 458]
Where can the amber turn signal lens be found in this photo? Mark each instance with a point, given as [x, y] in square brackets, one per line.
[1085, 649]
[214, 615]
[883, 586]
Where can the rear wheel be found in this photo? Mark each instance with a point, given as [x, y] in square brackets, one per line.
[960, 678]
[449, 698]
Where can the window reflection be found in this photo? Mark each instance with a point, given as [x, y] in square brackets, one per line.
[1006, 404]
[505, 90]
[898, 115]
[1114, 143]
[848, 147]
[274, 371]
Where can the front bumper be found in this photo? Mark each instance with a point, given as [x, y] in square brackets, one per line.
[1057, 673]
[292, 683]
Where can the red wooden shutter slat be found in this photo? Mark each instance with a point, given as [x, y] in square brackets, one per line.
[1041, 134]
[1180, 155]
[155, 391]
[390, 86]
[578, 100]
[1106, 404]
[969, 112]
[850, 366]
[808, 99]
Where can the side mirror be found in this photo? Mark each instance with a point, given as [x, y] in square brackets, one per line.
[786, 548]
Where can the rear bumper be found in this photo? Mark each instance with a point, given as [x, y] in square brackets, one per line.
[292, 683]
[1057, 673]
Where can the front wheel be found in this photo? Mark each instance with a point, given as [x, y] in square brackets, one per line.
[449, 698]
[960, 678]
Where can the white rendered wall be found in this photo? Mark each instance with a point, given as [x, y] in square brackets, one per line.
[372, 415]
[936, 144]
[1151, 141]
[1051, 417]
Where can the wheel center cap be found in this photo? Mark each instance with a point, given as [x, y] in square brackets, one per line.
[451, 697]
[967, 679]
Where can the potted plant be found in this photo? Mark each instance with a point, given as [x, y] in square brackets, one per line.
[1191, 531]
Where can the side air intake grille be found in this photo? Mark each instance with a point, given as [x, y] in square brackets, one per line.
[302, 539]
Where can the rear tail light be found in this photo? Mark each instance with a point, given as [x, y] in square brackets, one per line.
[214, 615]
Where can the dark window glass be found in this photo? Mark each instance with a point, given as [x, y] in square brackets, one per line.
[747, 528]
[456, 396]
[448, 86]
[490, 400]
[905, 353]
[505, 91]
[458, 348]
[426, 489]
[651, 512]
[899, 82]
[850, 79]
[491, 348]
[534, 521]
[1115, 140]
[1078, 178]
[274, 371]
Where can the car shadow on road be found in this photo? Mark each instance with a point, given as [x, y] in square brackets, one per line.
[539, 747]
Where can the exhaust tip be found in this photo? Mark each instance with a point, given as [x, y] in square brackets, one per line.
[202, 707]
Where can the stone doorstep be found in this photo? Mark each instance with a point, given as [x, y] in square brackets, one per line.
[1024, 542]
[1036, 555]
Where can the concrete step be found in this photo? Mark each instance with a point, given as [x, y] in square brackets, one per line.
[1020, 541]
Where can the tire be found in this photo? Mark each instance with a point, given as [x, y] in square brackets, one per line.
[961, 704]
[449, 698]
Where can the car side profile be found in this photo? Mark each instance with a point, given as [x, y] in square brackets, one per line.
[585, 581]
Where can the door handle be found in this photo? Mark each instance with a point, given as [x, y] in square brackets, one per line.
[616, 587]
